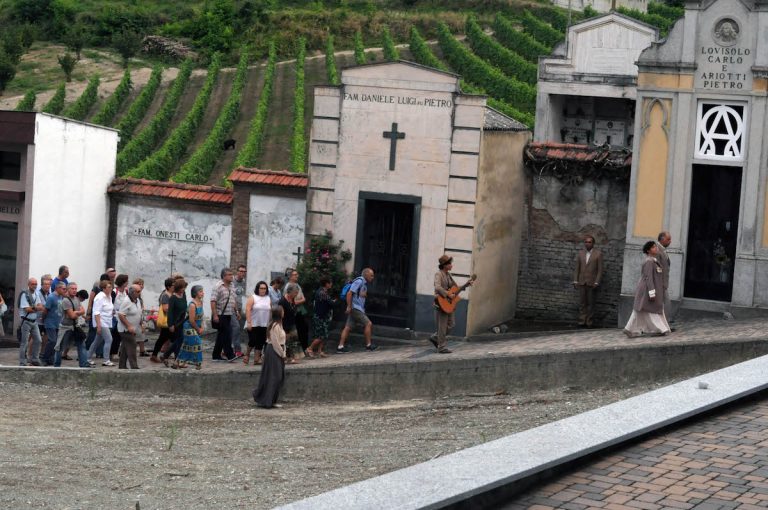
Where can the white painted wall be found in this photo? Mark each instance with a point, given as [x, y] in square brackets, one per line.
[200, 241]
[74, 163]
[276, 230]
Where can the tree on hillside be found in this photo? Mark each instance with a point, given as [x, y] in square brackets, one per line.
[127, 43]
[12, 44]
[7, 69]
[76, 38]
[67, 63]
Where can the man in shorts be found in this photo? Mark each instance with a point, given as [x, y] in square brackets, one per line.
[356, 312]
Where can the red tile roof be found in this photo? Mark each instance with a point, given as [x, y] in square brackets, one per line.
[269, 177]
[596, 155]
[190, 192]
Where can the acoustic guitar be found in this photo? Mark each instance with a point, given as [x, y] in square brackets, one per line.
[448, 305]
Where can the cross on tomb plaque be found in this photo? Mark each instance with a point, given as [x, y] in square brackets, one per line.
[393, 136]
[172, 256]
[298, 254]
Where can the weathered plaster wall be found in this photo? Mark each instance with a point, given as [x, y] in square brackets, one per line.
[147, 232]
[557, 216]
[74, 163]
[498, 228]
[276, 230]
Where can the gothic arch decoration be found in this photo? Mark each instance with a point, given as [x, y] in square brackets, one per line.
[648, 108]
[720, 132]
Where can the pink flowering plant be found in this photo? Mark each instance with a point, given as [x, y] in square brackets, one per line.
[323, 257]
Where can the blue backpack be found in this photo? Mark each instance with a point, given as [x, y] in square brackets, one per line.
[347, 286]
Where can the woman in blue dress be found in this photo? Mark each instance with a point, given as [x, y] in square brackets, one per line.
[192, 348]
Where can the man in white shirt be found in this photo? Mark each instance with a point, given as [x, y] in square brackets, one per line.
[30, 304]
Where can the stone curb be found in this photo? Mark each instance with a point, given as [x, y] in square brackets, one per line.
[466, 478]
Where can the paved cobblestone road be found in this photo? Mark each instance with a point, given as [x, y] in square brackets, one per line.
[715, 462]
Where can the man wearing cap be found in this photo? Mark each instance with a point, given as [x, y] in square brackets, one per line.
[444, 321]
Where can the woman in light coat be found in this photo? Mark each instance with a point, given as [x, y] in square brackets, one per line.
[648, 310]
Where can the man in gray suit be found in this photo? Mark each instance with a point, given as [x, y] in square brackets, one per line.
[586, 278]
[663, 241]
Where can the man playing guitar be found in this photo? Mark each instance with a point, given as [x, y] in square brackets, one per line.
[446, 291]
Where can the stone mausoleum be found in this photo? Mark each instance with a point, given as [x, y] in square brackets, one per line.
[699, 167]
[405, 167]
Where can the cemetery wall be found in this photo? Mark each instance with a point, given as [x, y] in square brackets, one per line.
[557, 216]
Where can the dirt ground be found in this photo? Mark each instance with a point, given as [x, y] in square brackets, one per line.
[70, 449]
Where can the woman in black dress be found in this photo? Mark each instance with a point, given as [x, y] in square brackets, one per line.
[273, 367]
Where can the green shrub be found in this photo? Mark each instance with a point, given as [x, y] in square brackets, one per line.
[27, 103]
[76, 38]
[390, 50]
[540, 30]
[667, 11]
[476, 70]
[330, 62]
[494, 53]
[139, 107]
[323, 258]
[505, 108]
[518, 41]
[199, 166]
[115, 101]
[127, 43]
[7, 69]
[141, 146]
[67, 63]
[161, 162]
[660, 22]
[249, 154]
[359, 49]
[590, 12]
[555, 16]
[12, 44]
[56, 104]
[80, 108]
[298, 142]
[422, 53]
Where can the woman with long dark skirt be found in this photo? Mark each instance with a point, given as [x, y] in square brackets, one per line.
[273, 363]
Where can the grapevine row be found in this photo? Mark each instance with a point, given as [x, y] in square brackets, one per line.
[199, 166]
[666, 11]
[56, 103]
[80, 108]
[298, 143]
[141, 146]
[251, 150]
[489, 50]
[521, 42]
[390, 51]
[112, 105]
[540, 30]
[161, 162]
[479, 72]
[330, 62]
[139, 107]
[421, 52]
[359, 49]
[27, 103]
[656, 20]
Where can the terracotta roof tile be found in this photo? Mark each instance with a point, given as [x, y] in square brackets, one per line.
[603, 156]
[269, 177]
[191, 192]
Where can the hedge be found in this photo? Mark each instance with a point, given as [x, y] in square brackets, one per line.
[492, 52]
[139, 107]
[27, 103]
[80, 108]
[656, 20]
[161, 162]
[251, 150]
[298, 142]
[540, 30]
[521, 95]
[115, 101]
[505, 108]
[56, 104]
[330, 62]
[522, 43]
[552, 15]
[142, 145]
[359, 49]
[422, 53]
[199, 166]
[390, 51]
[667, 11]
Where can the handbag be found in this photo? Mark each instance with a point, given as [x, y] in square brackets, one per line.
[215, 324]
[162, 318]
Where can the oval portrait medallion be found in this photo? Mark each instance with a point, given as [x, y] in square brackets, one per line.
[726, 32]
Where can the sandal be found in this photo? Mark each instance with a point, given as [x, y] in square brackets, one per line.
[309, 353]
[245, 359]
[165, 361]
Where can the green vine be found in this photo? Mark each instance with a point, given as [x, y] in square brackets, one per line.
[330, 62]
[520, 42]
[139, 107]
[359, 49]
[251, 150]
[112, 105]
[541, 30]
[298, 142]
[56, 103]
[27, 103]
[507, 61]
[422, 53]
[141, 146]
[199, 166]
[390, 50]
[80, 108]
[161, 162]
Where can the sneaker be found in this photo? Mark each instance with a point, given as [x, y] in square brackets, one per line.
[91, 363]
[107, 364]
[235, 358]
[371, 347]
[445, 350]
[342, 350]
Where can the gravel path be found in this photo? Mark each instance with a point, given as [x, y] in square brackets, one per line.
[70, 449]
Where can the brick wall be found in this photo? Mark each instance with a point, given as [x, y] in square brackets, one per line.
[241, 203]
[558, 216]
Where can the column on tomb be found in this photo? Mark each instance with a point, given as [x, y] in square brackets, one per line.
[323, 157]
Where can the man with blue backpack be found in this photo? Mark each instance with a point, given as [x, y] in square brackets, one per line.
[354, 295]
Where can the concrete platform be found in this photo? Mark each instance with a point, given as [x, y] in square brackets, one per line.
[411, 368]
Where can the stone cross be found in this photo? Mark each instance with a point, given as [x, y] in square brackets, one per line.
[393, 136]
[172, 256]
[298, 254]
